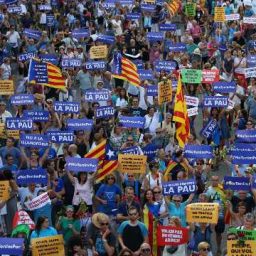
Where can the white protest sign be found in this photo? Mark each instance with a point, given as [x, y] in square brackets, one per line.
[249, 20]
[38, 202]
[250, 72]
[234, 16]
[192, 101]
[231, 104]
[192, 111]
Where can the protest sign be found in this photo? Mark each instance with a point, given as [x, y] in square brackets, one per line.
[148, 7]
[149, 1]
[98, 52]
[152, 90]
[251, 61]
[250, 72]
[22, 217]
[192, 111]
[22, 124]
[165, 65]
[150, 151]
[6, 87]
[32, 33]
[132, 121]
[219, 14]
[26, 56]
[2, 129]
[124, 3]
[165, 91]
[179, 187]
[131, 150]
[71, 63]
[95, 65]
[79, 124]
[191, 101]
[34, 140]
[145, 74]
[11, 246]
[234, 248]
[4, 190]
[81, 164]
[133, 16]
[14, 9]
[237, 183]
[215, 101]
[93, 95]
[38, 176]
[210, 76]
[190, 9]
[44, 7]
[50, 20]
[177, 47]
[52, 58]
[243, 234]
[13, 133]
[203, 213]
[107, 111]
[243, 153]
[106, 39]
[167, 27]
[247, 136]
[209, 128]
[155, 36]
[38, 202]
[232, 17]
[167, 235]
[132, 163]
[9, 1]
[61, 136]
[224, 87]
[253, 182]
[66, 107]
[198, 151]
[51, 245]
[191, 76]
[249, 20]
[37, 116]
[22, 99]
[80, 33]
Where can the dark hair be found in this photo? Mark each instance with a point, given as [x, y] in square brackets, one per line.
[8, 155]
[39, 223]
[145, 193]
[132, 208]
[125, 250]
[79, 176]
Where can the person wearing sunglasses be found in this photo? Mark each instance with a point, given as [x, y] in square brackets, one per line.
[203, 250]
[145, 250]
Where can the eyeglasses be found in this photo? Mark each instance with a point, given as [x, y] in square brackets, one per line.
[157, 192]
[104, 224]
[206, 249]
[111, 178]
[146, 250]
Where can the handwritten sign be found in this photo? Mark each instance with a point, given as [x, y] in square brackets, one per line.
[192, 76]
[165, 91]
[99, 52]
[248, 248]
[38, 202]
[6, 87]
[219, 14]
[4, 190]
[132, 163]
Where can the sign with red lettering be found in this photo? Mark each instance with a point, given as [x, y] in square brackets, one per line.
[210, 76]
[167, 235]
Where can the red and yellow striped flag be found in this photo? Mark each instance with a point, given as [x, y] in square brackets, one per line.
[97, 152]
[173, 7]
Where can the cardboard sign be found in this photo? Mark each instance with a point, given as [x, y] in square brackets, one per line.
[2, 129]
[219, 14]
[99, 52]
[165, 91]
[249, 20]
[167, 235]
[13, 133]
[4, 190]
[233, 16]
[191, 101]
[210, 76]
[6, 87]
[51, 245]
[248, 248]
[191, 76]
[132, 163]
[192, 111]
[38, 202]
[203, 213]
[190, 9]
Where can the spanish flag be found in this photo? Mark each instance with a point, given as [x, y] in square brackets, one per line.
[173, 7]
[180, 116]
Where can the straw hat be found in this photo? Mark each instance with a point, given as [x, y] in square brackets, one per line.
[99, 217]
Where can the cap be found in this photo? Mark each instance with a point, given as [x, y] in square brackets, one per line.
[70, 207]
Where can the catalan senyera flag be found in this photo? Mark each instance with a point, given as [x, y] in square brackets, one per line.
[173, 7]
[45, 73]
[180, 116]
[125, 69]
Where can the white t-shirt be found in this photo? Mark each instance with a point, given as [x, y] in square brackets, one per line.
[13, 38]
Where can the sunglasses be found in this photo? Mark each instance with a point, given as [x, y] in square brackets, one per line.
[145, 250]
[206, 249]
[104, 224]
[157, 192]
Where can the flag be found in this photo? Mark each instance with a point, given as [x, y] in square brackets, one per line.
[180, 116]
[125, 69]
[45, 73]
[173, 7]
[97, 152]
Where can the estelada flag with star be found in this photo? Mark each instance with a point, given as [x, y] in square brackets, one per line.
[180, 116]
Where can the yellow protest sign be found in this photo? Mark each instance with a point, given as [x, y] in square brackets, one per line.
[132, 163]
[98, 52]
[203, 212]
[4, 190]
[234, 248]
[6, 87]
[2, 129]
[51, 245]
[13, 133]
[150, 1]
[219, 14]
[165, 91]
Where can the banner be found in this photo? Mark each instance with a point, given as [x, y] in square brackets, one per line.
[165, 65]
[6, 87]
[167, 27]
[177, 47]
[80, 33]
[237, 183]
[102, 112]
[180, 187]
[198, 151]
[150, 151]
[108, 4]
[224, 87]
[133, 16]
[44, 7]
[202, 213]
[234, 248]
[79, 124]
[106, 39]
[81, 164]
[11, 246]
[37, 116]
[215, 101]
[250, 72]
[167, 235]
[132, 163]
[23, 124]
[95, 65]
[132, 121]
[32, 33]
[155, 36]
[22, 217]
[34, 140]
[9, 1]
[165, 92]
[124, 3]
[71, 63]
[210, 76]
[247, 136]
[249, 20]
[219, 14]
[93, 95]
[192, 111]
[190, 9]
[191, 76]
[38, 202]
[243, 153]
[146, 74]
[14, 9]
[26, 56]
[4, 190]
[22, 99]
[209, 128]
[152, 90]
[98, 52]
[60, 136]
[131, 150]
[251, 61]
[232, 17]
[148, 7]
[66, 107]
[50, 20]
[51, 245]
[38, 176]
[52, 58]
[191, 101]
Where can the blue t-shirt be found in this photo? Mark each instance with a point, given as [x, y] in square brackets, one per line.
[179, 211]
[50, 231]
[51, 155]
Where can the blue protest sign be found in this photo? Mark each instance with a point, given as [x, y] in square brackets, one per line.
[133, 16]
[32, 33]
[11, 246]
[251, 61]
[108, 4]
[107, 111]
[253, 182]
[22, 99]
[54, 3]
[52, 58]
[106, 39]
[198, 151]
[155, 36]
[224, 87]
[95, 65]
[145, 74]
[44, 7]
[39, 72]
[165, 65]
[152, 90]
[37, 115]
[50, 20]
[131, 150]
[80, 33]
[126, 2]
[243, 153]
[38, 176]
[26, 56]
[14, 9]
[34, 140]
[61, 136]
[79, 124]
[209, 128]
[22, 124]
[181, 187]
[93, 95]
[150, 151]
[237, 183]
[71, 63]
[178, 47]
[148, 7]
[10, 1]
[81, 164]
[248, 136]
[132, 121]
[215, 101]
[66, 107]
[167, 27]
